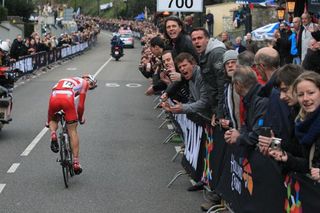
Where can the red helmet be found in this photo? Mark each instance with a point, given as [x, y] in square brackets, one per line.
[91, 80]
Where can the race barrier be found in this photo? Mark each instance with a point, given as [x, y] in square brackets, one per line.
[30, 63]
[245, 179]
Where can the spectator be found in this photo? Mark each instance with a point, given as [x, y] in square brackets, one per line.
[250, 44]
[246, 85]
[160, 80]
[179, 41]
[311, 61]
[18, 48]
[295, 39]
[210, 23]
[226, 40]
[198, 99]
[283, 45]
[307, 128]
[178, 89]
[231, 98]
[246, 58]
[211, 56]
[238, 46]
[308, 28]
[277, 115]
[285, 78]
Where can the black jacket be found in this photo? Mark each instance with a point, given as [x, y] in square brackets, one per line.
[18, 49]
[312, 61]
[183, 44]
[255, 107]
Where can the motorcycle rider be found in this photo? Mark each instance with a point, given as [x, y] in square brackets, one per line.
[116, 41]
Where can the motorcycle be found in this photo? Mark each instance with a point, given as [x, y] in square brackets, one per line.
[7, 79]
[117, 52]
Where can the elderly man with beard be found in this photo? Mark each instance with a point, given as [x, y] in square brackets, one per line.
[211, 63]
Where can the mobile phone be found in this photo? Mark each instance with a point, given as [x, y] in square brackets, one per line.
[265, 131]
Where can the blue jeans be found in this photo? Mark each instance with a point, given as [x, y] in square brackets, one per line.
[296, 60]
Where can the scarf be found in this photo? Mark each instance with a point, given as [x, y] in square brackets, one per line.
[308, 131]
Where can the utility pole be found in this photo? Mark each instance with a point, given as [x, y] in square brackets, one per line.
[98, 1]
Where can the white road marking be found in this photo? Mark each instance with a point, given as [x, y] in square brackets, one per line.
[13, 168]
[2, 187]
[72, 68]
[112, 85]
[36, 140]
[133, 85]
[101, 68]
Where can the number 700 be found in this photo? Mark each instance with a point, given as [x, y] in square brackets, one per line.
[182, 3]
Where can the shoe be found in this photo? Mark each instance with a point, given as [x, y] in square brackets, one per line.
[54, 142]
[198, 186]
[77, 167]
[207, 205]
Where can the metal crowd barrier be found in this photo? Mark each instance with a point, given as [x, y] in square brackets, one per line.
[30, 63]
[246, 180]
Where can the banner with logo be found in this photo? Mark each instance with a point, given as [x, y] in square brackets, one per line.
[251, 182]
[214, 152]
[302, 194]
[192, 136]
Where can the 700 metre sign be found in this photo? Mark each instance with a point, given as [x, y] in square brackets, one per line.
[180, 5]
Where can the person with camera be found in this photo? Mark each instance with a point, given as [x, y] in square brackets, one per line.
[307, 127]
[285, 78]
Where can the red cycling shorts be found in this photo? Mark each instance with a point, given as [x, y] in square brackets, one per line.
[63, 100]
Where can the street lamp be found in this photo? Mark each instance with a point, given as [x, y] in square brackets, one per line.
[290, 6]
[126, 2]
[280, 13]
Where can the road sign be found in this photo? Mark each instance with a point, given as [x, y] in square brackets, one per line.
[180, 5]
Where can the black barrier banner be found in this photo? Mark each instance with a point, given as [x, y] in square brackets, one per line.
[51, 56]
[251, 182]
[192, 136]
[213, 154]
[42, 59]
[58, 54]
[302, 194]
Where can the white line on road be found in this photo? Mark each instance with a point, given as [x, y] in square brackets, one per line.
[13, 168]
[36, 140]
[2, 187]
[100, 69]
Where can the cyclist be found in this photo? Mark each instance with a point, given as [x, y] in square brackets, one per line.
[63, 98]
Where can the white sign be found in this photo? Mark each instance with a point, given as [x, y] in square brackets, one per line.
[180, 5]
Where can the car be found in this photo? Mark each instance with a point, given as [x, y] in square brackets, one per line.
[127, 37]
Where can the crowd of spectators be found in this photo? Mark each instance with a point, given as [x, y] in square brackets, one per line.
[243, 87]
[20, 47]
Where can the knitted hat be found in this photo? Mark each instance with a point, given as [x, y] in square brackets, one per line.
[230, 55]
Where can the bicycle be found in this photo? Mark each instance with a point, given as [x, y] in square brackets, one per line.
[66, 158]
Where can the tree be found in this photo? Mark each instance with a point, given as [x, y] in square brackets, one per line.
[20, 8]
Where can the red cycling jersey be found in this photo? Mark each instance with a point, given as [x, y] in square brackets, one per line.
[63, 98]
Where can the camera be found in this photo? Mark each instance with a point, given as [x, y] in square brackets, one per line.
[275, 143]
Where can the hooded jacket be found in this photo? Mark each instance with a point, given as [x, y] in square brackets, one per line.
[212, 71]
[198, 99]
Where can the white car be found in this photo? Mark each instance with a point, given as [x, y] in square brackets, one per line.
[127, 37]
